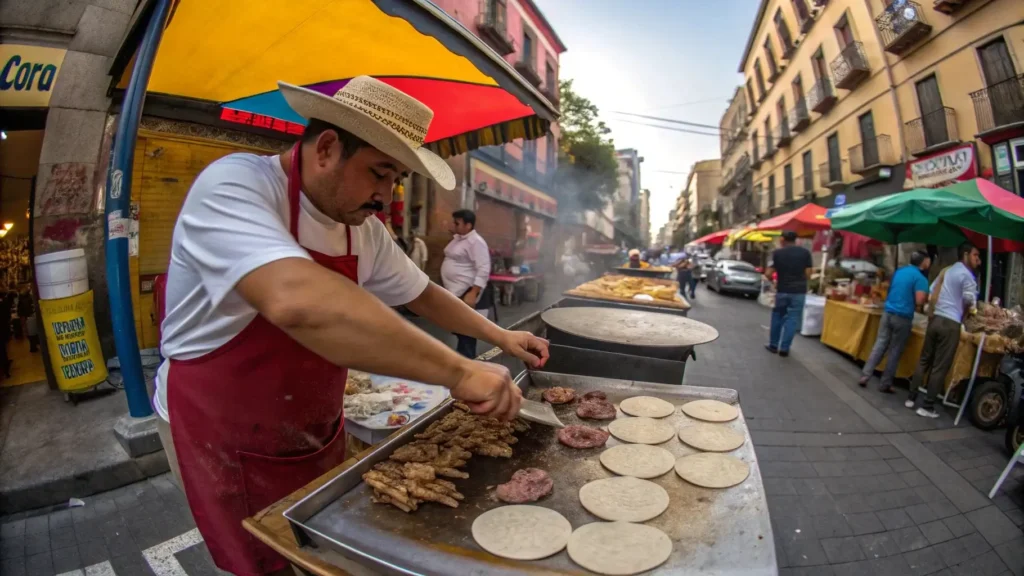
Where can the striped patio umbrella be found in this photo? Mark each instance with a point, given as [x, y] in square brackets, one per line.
[226, 56]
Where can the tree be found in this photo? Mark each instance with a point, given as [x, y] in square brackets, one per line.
[588, 170]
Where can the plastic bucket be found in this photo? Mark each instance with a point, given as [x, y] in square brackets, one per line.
[62, 274]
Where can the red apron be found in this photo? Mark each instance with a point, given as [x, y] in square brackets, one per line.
[255, 420]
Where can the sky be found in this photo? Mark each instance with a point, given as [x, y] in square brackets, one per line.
[666, 58]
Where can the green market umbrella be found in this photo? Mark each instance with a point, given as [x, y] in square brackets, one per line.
[921, 215]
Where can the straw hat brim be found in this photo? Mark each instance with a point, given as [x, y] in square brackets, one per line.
[312, 104]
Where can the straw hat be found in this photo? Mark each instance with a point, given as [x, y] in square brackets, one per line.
[386, 118]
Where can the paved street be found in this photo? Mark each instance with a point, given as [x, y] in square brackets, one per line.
[856, 483]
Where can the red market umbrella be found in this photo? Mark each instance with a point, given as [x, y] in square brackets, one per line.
[807, 218]
[713, 238]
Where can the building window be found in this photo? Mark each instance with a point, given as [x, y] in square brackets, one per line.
[750, 95]
[527, 55]
[933, 113]
[780, 109]
[773, 67]
[835, 166]
[530, 156]
[771, 191]
[787, 182]
[798, 89]
[844, 33]
[802, 13]
[759, 76]
[818, 65]
[784, 36]
[869, 142]
[759, 195]
[1003, 102]
[769, 146]
[756, 147]
[551, 149]
[549, 78]
[808, 174]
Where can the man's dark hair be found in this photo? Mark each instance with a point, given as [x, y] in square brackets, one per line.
[466, 216]
[350, 143]
[789, 236]
[964, 250]
[918, 258]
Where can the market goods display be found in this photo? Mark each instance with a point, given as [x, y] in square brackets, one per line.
[710, 411]
[411, 476]
[641, 430]
[526, 485]
[619, 548]
[624, 498]
[559, 395]
[628, 287]
[711, 437]
[648, 406]
[522, 532]
[712, 470]
[638, 460]
[582, 437]
[387, 403]
[1004, 328]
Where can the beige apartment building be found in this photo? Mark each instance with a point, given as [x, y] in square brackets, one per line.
[847, 100]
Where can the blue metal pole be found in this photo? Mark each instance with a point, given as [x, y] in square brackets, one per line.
[118, 212]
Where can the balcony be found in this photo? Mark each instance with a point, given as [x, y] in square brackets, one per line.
[831, 175]
[788, 49]
[550, 91]
[999, 106]
[902, 25]
[949, 6]
[872, 154]
[798, 117]
[932, 132]
[850, 68]
[806, 23]
[527, 70]
[493, 30]
[773, 73]
[783, 133]
[769, 148]
[756, 159]
[760, 98]
[821, 97]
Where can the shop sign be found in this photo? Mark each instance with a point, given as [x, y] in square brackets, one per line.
[940, 169]
[260, 121]
[28, 74]
[1002, 154]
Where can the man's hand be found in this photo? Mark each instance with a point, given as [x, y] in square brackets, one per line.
[529, 348]
[470, 299]
[488, 390]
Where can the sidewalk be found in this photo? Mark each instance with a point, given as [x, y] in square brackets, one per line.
[856, 484]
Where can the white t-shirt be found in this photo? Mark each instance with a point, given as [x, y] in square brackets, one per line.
[235, 220]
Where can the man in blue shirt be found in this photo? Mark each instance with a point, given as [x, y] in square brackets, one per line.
[908, 291]
[954, 292]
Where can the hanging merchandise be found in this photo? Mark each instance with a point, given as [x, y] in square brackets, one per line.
[73, 342]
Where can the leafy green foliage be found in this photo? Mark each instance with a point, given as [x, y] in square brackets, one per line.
[587, 168]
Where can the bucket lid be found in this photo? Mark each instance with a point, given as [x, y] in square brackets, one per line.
[62, 255]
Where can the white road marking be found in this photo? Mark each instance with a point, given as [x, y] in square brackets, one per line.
[161, 557]
[101, 569]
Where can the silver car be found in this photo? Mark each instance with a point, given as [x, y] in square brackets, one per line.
[734, 276]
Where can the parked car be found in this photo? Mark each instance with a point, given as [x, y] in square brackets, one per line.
[734, 276]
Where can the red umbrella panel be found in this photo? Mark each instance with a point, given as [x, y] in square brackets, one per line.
[807, 218]
[713, 238]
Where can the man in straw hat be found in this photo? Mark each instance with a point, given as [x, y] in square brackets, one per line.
[279, 279]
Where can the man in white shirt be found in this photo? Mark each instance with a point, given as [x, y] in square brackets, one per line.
[466, 270]
[279, 278]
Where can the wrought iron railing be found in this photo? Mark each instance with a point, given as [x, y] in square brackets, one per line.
[901, 24]
[1001, 104]
[931, 130]
[799, 118]
[821, 97]
[850, 67]
[830, 174]
[493, 27]
[872, 153]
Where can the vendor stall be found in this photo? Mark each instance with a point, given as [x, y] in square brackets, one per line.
[852, 328]
[629, 290]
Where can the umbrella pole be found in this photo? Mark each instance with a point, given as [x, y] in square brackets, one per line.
[981, 343]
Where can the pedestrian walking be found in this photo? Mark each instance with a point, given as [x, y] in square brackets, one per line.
[953, 292]
[280, 278]
[687, 281]
[908, 291]
[466, 271]
[793, 266]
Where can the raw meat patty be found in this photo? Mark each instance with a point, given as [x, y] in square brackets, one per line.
[582, 437]
[526, 485]
[596, 409]
[595, 395]
[559, 395]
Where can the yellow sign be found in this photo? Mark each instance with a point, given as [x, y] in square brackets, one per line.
[73, 342]
[27, 75]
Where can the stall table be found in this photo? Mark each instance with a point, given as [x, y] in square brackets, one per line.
[852, 329]
[506, 284]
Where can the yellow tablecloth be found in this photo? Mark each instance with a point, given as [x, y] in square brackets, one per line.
[852, 329]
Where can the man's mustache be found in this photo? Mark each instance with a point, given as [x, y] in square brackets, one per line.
[376, 206]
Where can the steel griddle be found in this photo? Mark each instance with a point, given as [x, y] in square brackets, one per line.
[717, 531]
[630, 327]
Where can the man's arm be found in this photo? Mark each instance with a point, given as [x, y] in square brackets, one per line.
[970, 290]
[920, 297]
[482, 263]
[444, 309]
[335, 318]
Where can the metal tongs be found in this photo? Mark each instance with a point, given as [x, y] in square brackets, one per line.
[539, 412]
